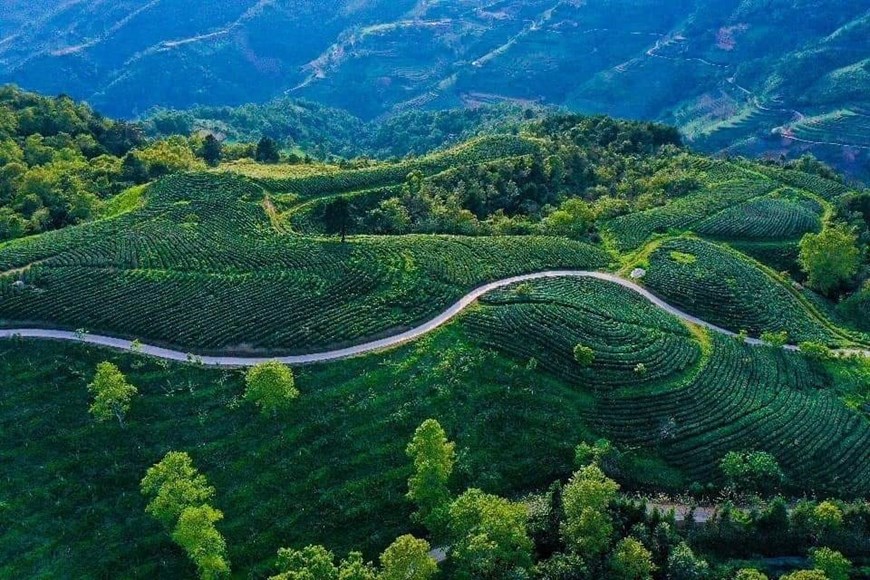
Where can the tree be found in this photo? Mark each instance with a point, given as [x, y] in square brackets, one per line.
[407, 559]
[827, 517]
[749, 574]
[309, 563]
[489, 536]
[337, 217]
[271, 386]
[753, 471]
[584, 355]
[805, 575]
[433, 457]
[355, 568]
[197, 535]
[816, 351]
[832, 563]
[174, 484]
[684, 565]
[573, 219]
[631, 561]
[775, 339]
[588, 528]
[267, 151]
[211, 150]
[112, 393]
[829, 258]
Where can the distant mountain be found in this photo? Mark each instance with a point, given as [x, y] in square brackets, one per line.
[749, 76]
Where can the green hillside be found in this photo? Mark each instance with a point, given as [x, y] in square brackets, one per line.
[288, 257]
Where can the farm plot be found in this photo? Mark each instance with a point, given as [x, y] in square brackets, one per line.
[632, 230]
[770, 218]
[634, 343]
[200, 267]
[723, 288]
[749, 398]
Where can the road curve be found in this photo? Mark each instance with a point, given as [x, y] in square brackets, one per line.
[376, 345]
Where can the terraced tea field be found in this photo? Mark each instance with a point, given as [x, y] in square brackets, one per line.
[200, 267]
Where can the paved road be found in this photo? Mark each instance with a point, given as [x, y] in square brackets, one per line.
[414, 333]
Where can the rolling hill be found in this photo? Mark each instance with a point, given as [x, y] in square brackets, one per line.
[779, 77]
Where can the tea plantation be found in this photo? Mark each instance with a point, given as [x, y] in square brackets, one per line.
[250, 260]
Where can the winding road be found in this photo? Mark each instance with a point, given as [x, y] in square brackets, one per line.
[376, 345]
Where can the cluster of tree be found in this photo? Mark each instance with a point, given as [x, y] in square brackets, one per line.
[58, 159]
[588, 169]
[326, 132]
[579, 530]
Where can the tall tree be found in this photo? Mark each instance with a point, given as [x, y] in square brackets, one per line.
[337, 217]
[309, 563]
[407, 559]
[197, 535]
[631, 561]
[433, 457]
[112, 393]
[212, 150]
[267, 151]
[588, 527]
[174, 484]
[271, 386]
[830, 258]
[489, 536]
[832, 563]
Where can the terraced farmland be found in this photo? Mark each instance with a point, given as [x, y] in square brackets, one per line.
[632, 230]
[768, 218]
[200, 266]
[545, 320]
[721, 287]
[748, 398]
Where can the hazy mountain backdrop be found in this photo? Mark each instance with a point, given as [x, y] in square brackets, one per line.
[750, 76]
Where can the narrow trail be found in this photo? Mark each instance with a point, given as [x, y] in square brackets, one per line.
[376, 345]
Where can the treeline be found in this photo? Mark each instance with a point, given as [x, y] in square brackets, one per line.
[326, 133]
[59, 161]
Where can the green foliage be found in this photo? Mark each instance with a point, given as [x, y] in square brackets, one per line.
[271, 386]
[830, 257]
[631, 561]
[354, 567]
[407, 559]
[805, 575]
[211, 150]
[749, 574]
[112, 393]
[588, 528]
[831, 562]
[173, 485]
[433, 457]
[309, 563]
[489, 536]
[816, 351]
[827, 517]
[584, 355]
[752, 471]
[204, 544]
[267, 151]
[683, 564]
[775, 339]
[573, 219]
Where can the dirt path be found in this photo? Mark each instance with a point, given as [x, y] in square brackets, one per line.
[376, 345]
